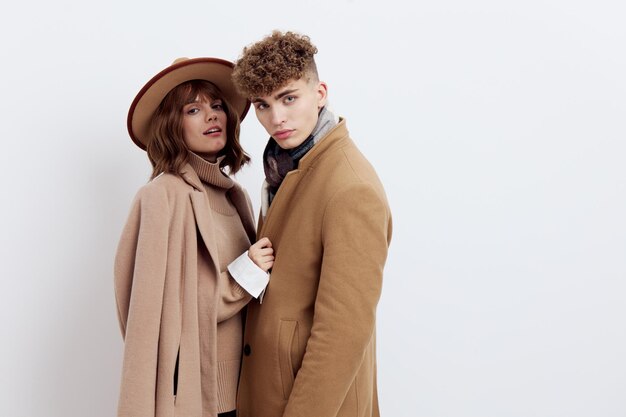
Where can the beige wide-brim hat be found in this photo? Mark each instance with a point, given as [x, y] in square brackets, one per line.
[215, 70]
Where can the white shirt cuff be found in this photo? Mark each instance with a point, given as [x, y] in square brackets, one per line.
[247, 274]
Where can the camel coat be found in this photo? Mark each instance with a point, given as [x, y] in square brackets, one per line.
[309, 348]
[159, 310]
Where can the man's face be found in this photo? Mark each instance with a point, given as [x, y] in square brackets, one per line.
[289, 113]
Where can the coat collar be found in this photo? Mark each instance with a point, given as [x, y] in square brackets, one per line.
[190, 176]
[335, 137]
[268, 222]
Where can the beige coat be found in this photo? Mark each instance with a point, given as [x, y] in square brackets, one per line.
[310, 346]
[159, 310]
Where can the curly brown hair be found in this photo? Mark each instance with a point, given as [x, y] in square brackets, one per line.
[274, 61]
[167, 150]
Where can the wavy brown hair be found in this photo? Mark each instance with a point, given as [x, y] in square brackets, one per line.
[166, 148]
[272, 62]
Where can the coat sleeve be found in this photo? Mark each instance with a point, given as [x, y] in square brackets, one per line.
[355, 234]
[139, 277]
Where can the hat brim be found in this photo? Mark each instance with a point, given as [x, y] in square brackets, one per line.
[218, 71]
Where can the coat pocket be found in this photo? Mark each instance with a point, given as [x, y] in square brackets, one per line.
[287, 352]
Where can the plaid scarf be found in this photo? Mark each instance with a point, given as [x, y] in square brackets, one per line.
[277, 162]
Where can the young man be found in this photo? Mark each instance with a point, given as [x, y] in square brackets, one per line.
[309, 346]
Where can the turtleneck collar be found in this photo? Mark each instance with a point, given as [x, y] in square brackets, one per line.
[210, 172]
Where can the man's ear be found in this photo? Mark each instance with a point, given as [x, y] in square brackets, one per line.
[322, 94]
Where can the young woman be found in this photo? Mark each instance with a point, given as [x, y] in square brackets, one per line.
[179, 307]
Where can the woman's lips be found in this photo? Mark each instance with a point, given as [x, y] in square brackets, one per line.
[214, 131]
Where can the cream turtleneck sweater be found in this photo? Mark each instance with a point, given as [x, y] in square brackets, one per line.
[232, 241]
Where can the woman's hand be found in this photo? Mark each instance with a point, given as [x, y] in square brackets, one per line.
[262, 254]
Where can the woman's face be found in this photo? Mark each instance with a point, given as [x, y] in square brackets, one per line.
[204, 127]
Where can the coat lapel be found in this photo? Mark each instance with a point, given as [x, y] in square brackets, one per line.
[270, 226]
[204, 222]
[279, 207]
[201, 211]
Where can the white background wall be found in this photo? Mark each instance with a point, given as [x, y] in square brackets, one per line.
[497, 128]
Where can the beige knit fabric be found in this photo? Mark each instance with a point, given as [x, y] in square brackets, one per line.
[232, 241]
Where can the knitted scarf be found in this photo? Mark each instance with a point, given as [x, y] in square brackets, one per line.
[277, 162]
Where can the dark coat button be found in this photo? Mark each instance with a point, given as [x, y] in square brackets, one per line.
[246, 350]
